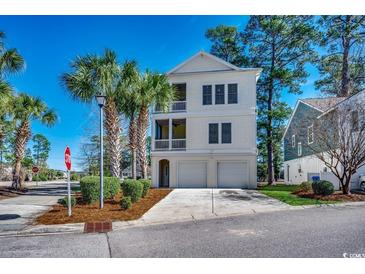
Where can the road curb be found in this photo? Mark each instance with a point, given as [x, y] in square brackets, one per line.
[41, 230]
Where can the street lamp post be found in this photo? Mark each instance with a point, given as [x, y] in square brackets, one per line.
[101, 102]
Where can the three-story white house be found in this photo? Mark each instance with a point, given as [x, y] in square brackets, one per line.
[208, 136]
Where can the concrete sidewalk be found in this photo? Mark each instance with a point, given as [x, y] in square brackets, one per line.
[19, 212]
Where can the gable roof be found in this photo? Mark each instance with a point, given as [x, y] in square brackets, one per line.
[224, 66]
[320, 104]
[323, 104]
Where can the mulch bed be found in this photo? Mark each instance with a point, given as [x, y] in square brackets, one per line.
[83, 212]
[336, 196]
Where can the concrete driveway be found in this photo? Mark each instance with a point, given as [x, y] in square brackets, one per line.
[19, 212]
[188, 204]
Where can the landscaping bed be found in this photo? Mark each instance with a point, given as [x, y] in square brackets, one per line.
[337, 196]
[83, 212]
[293, 195]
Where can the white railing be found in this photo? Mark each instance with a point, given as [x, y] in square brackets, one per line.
[172, 144]
[178, 144]
[177, 106]
[162, 144]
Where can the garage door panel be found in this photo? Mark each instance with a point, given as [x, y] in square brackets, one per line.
[232, 174]
[192, 174]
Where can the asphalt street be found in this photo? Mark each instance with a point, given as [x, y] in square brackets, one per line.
[312, 232]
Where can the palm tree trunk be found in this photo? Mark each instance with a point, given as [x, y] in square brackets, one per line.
[133, 145]
[113, 132]
[22, 136]
[142, 122]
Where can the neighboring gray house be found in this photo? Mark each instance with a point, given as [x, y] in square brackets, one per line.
[299, 162]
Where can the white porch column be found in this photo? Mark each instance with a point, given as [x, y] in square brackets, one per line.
[153, 122]
[170, 133]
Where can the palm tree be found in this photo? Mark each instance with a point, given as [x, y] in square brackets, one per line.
[93, 75]
[129, 106]
[10, 60]
[153, 88]
[26, 109]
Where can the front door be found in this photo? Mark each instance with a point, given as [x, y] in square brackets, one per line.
[164, 173]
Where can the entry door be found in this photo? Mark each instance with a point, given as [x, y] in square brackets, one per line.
[165, 175]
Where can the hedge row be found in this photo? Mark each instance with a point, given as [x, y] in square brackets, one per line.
[90, 188]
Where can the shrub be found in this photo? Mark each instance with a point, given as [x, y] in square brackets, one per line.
[64, 201]
[322, 187]
[126, 202]
[74, 177]
[305, 186]
[90, 188]
[146, 186]
[132, 188]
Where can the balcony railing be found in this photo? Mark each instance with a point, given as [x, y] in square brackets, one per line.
[177, 106]
[176, 144]
[162, 144]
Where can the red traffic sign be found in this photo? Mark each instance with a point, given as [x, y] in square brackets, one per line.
[35, 169]
[68, 158]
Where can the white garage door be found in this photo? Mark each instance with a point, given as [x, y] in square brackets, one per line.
[192, 174]
[232, 174]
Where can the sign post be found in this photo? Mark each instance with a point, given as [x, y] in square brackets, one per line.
[35, 170]
[68, 167]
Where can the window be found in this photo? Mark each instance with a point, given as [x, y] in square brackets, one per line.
[207, 95]
[226, 133]
[219, 94]
[180, 89]
[232, 94]
[355, 120]
[310, 134]
[299, 149]
[213, 133]
[293, 141]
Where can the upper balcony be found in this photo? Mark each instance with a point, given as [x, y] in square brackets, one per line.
[170, 134]
[178, 105]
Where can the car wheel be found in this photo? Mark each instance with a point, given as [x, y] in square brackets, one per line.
[362, 186]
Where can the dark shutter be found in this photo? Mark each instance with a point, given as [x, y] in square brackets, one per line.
[213, 133]
[207, 95]
[232, 94]
[226, 133]
[219, 94]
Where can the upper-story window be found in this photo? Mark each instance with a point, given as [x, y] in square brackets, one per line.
[299, 149]
[355, 120]
[310, 134]
[213, 133]
[232, 93]
[226, 133]
[180, 91]
[219, 94]
[293, 140]
[207, 95]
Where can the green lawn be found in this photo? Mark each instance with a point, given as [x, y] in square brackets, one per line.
[284, 193]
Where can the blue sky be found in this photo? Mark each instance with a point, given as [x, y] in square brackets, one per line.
[49, 43]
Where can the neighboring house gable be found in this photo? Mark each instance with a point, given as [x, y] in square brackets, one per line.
[303, 117]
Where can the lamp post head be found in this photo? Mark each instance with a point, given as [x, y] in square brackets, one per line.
[100, 99]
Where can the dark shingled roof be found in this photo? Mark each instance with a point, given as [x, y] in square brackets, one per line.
[323, 104]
